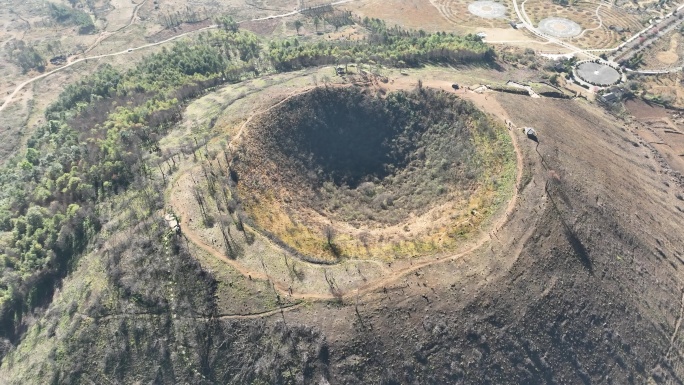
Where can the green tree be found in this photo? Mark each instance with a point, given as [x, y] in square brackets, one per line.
[554, 79]
[228, 23]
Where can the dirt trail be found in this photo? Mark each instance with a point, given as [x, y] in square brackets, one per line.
[482, 101]
[262, 314]
[144, 46]
[280, 310]
[238, 135]
[24, 84]
[107, 34]
[678, 324]
[595, 28]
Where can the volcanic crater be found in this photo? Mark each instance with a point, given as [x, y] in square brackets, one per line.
[348, 172]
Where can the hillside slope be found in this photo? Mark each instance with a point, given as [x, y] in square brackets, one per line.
[582, 285]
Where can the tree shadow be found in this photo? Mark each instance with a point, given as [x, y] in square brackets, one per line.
[577, 246]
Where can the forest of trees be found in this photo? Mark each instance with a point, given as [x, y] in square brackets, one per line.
[71, 16]
[188, 15]
[99, 133]
[25, 56]
[387, 46]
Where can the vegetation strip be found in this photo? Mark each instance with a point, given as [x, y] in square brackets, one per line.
[111, 121]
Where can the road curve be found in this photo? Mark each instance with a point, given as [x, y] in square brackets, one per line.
[24, 84]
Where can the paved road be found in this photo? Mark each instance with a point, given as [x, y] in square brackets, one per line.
[528, 25]
[670, 22]
[629, 43]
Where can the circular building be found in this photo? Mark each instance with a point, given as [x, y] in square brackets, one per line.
[598, 74]
[559, 27]
[487, 9]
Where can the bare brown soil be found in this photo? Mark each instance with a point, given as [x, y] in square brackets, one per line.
[579, 287]
[261, 27]
[670, 56]
[663, 131]
[578, 283]
[667, 87]
[666, 52]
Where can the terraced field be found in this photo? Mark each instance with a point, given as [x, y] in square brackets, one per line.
[614, 16]
[456, 11]
[604, 26]
[607, 37]
[582, 13]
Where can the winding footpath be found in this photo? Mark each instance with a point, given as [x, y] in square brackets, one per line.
[106, 35]
[598, 16]
[630, 44]
[520, 11]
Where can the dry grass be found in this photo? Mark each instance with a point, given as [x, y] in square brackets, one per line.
[665, 52]
[414, 14]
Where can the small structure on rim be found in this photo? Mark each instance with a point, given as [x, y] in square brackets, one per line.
[531, 133]
[58, 60]
[173, 222]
